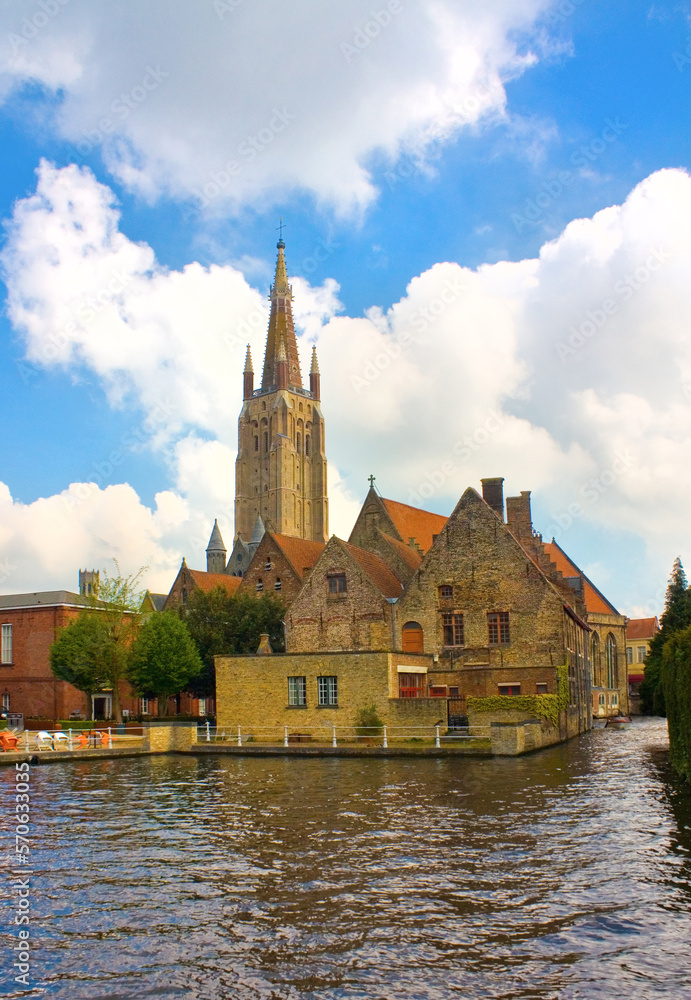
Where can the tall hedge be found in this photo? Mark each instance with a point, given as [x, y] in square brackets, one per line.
[675, 675]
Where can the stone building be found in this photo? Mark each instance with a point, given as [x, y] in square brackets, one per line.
[280, 566]
[188, 580]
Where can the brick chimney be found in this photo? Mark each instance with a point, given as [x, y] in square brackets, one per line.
[518, 516]
[493, 494]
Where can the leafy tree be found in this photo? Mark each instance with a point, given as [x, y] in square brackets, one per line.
[219, 623]
[163, 658]
[676, 682]
[675, 617]
[82, 654]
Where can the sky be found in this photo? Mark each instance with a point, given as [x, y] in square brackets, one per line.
[487, 213]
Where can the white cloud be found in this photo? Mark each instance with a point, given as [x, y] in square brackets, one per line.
[241, 101]
[569, 374]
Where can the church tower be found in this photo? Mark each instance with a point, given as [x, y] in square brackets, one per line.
[280, 472]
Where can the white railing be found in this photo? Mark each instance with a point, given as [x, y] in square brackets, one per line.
[75, 739]
[382, 736]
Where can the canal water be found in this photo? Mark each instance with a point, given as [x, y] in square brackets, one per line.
[565, 874]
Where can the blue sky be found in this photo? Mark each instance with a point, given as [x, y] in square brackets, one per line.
[433, 152]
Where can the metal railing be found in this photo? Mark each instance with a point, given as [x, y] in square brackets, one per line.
[74, 739]
[382, 736]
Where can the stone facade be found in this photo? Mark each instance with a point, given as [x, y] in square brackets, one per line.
[254, 692]
[280, 566]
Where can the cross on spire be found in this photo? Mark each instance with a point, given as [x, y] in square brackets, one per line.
[279, 230]
[372, 481]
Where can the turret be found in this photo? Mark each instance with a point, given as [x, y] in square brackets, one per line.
[216, 552]
[248, 376]
[315, 387]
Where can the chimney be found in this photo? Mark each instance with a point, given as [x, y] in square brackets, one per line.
[493, 494]
[518, 516]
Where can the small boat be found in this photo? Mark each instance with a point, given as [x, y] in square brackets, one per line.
[619, 722]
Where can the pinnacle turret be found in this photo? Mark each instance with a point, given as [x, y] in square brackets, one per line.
[281, 328]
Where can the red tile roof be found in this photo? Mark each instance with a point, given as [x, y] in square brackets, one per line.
[208, 581]
[410, 556]
[595, 602]
[301, 553]
[641, 628]
[411, 522]
[377, 571]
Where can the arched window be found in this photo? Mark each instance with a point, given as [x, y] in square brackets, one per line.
[260, 585]
[277, 585]
[298, 443]
[267, 565]
[611, 652]
[256, 442]
[412, 638]
[596, 667]
[307, 444]
[184, 596]
[266, 442]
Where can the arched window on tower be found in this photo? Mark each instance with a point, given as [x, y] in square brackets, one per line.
[596, 666]
[256, 442]
[266, 442]
[307, 444]
[260, 585]
[298, 442]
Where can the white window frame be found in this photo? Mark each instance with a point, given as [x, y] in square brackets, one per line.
[5, 703]
[327, 688]
[146, 707]
[297, 692]
[6, 644]
[641, 652]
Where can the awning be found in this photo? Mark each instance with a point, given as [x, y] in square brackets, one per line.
[635, 678]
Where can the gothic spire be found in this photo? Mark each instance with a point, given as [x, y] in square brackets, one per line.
[281, 328]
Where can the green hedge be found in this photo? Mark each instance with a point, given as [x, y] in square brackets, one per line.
[544, 706]
[675, 676]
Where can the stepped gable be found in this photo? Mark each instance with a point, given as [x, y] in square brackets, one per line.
[595, 601]
[413, 522]
[207, 581]
[376, 570]
[410, 556]
[301, 553]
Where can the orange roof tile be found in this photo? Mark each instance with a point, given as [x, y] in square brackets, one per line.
[641, 628]
[301, 553]
[412, 522]
[377, 571]
[207, 581]
[411, 556]
[595, 602]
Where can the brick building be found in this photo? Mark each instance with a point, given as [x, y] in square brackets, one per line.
[639, 634]
[280, 566]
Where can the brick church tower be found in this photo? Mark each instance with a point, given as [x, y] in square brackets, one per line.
[280, 472]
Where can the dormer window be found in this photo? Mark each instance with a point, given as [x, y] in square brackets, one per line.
[337, 583]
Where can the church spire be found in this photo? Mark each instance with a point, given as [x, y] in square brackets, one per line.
[281, 328]
[315, 378]
[248, 376]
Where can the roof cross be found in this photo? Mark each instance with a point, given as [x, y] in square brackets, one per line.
[371, 482]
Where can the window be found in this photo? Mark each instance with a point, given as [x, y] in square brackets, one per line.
[267, 565]
[6, 644]
[184, 596]
[260, 585]
[640, 657]
[146, 707]
[411, 685]
[446, 590]
[541, 689]
[611, 657]
[509, 689]
[453, 629]
[256, 443]
[337, 583]
[202, 706]
[601, 700]
[307, 444]
[5, 703]
[328, 690]
[498, 622]
[437, 691]
[297, 691]
[266, 442]
[277, 585]
[629, 654]
[453, 692]
[615, 700]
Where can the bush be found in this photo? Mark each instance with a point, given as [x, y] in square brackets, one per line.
[367, 722]
[675, 676]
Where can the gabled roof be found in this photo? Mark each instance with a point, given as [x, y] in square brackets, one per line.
[410, 556]
[208, 581]
[641, 628]
[595, 601]
[301, 553]
[157, 600]
[412, 522]
[376, 570]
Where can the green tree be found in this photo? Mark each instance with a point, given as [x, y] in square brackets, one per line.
[676, 683]
[675, 617]
[163, 658]
[219, 623]
[82, 654]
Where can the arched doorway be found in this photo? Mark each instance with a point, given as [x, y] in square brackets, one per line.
[412, 638]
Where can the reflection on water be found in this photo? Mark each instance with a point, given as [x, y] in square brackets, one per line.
[565, 874]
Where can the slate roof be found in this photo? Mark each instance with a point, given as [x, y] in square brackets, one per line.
[412, 522]
[45, 598]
